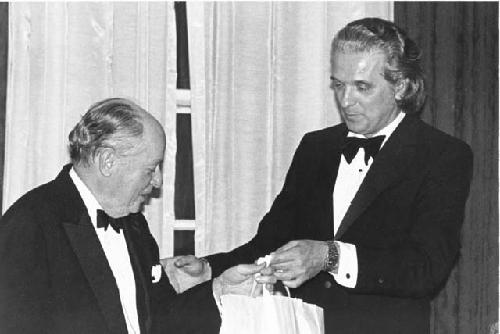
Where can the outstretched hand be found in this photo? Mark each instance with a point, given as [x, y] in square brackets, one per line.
[239, 279]
[193, 265]
[186, 271]
[298, 261]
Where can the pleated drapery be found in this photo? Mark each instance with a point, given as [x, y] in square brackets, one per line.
[459, 41]
[64, 56]
[260, 81]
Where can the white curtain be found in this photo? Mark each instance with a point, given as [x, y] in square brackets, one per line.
[260, 81]
[64, 56]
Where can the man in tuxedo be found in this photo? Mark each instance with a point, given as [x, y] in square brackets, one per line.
[368, 222]
[76, 254]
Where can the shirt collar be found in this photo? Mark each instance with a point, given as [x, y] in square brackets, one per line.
[386, 131]
[88, 198]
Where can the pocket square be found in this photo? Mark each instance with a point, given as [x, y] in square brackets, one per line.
[156, 273]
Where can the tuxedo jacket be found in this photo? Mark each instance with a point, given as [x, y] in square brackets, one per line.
[404, 220]
[55, 278]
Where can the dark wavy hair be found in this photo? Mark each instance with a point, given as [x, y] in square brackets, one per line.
[402, 54]
[111, 123]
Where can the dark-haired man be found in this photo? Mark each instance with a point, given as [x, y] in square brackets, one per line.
[368, 221]
[76, 254]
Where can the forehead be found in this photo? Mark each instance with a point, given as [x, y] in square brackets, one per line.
[358, 65]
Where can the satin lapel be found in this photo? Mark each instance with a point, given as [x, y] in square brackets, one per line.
[328, 171]
[389, 167]
[142, 275]
[335, 145]
[93, 261]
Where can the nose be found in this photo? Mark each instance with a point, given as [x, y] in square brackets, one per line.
[157, 179]
[347, 99]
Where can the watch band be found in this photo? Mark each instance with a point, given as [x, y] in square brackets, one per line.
[332, 259]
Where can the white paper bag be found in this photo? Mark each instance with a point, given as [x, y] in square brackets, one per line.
[269, 314]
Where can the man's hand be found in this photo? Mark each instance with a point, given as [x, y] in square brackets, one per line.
[193, 266]
[239, 279]
[186, 271]
[298, 261]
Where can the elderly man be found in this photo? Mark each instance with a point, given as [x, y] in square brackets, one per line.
[367, 224]
[76, 254]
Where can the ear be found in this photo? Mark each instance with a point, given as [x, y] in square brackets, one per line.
[401, 88]
[106, 160]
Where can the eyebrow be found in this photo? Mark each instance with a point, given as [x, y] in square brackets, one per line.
[356, 82]
[364, 82]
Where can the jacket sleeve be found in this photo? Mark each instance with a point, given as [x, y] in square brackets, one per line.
[277, 227]
[193, 311]
[24, 285]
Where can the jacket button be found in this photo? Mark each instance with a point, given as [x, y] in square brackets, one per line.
[328, 284]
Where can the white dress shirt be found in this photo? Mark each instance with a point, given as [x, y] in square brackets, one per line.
[115, 249]
[349, 179]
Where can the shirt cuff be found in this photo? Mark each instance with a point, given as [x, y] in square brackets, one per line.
[347, 273]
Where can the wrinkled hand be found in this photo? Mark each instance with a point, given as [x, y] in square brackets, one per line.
[239, 279]
[298, 261]
[186, 271]
[193, 266]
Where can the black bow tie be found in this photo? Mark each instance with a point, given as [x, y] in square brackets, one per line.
[103, 220]
[371, 146]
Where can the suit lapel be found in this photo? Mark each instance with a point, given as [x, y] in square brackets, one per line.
[85, 244]
[389, 167]
[93, 261]
[335, 146]
[333, 143]
[142, 275]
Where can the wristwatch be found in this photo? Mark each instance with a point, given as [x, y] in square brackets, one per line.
[332, 259]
